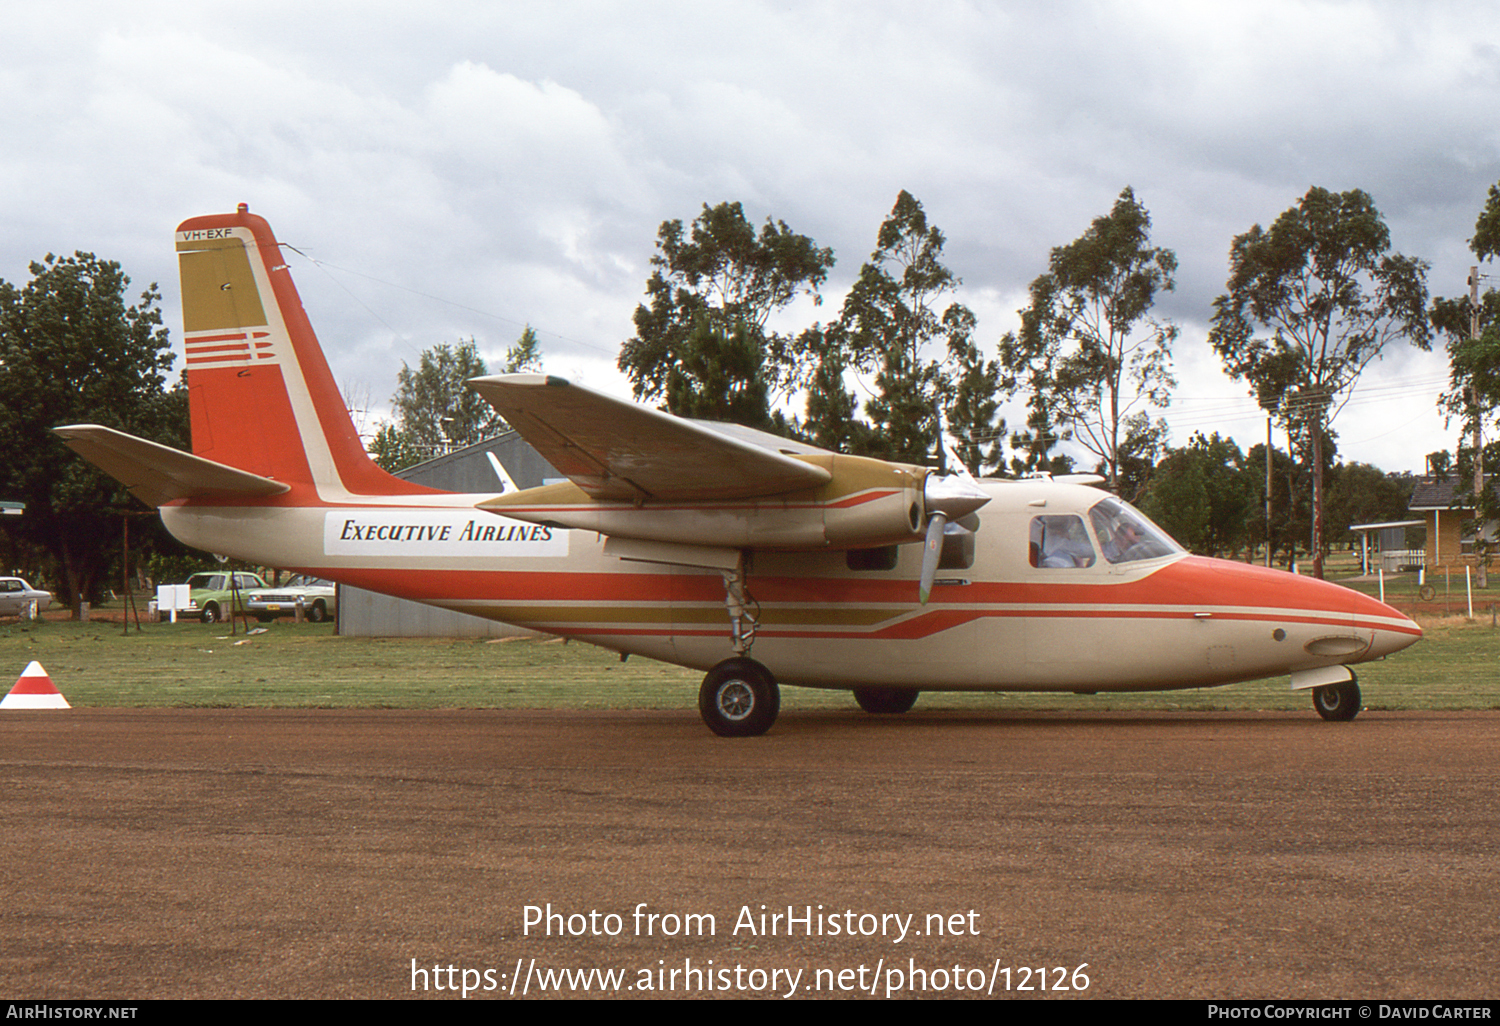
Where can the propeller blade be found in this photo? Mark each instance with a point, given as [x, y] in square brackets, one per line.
[932, 549]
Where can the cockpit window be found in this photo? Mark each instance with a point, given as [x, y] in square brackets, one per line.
[1060, 542]
[1125, 535]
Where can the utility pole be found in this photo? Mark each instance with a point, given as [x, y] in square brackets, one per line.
[1268, 490]
[1480, 548]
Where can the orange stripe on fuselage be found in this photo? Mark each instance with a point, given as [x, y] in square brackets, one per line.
[1178, 591]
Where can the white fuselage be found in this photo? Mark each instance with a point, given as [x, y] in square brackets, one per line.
[1000, 623]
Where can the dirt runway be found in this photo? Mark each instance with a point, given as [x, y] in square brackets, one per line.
[242, 853]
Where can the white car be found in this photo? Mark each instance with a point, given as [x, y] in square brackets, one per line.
[318, 597]
[16, 595]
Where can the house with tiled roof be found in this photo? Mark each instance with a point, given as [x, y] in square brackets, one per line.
[1449, 543]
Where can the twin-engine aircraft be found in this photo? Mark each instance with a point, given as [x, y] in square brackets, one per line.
[751, 557]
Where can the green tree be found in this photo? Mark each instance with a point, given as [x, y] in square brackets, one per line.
[1089, 351]
[1291, 512]
[1359, 493]
[72, 351]
[1471, 327]
[1202, 495]
[832, 412]
[703, 346]
[892, 323]
[973, 410]
[1311, 301]
[433, 408]
[393, 449]
[1143, 446]
[525, 355]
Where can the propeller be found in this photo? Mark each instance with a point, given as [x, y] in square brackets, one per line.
[932, 551]
[945, 496]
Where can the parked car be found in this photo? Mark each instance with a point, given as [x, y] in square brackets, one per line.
[16, 595]
[319, 600]
[211, 594]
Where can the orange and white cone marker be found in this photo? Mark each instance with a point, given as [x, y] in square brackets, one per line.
[34, 690]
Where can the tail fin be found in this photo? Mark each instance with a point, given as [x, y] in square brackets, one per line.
[261, 395]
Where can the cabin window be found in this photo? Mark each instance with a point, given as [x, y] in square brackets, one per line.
[1125, 535]
[883, 558]
[1060, 542]
[958, 548]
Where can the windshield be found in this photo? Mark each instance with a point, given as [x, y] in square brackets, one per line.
[1125, 535]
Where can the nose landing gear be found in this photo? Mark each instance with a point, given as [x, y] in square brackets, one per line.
[1337, 701]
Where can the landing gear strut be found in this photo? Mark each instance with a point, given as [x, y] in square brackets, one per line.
[1337, 701]
[739, 698]
[743, 609]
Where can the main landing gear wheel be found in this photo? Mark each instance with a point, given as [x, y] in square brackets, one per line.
[886, 700]
[1337, 701]
[739, 698]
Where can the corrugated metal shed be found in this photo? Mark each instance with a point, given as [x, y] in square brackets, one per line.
[368, 614]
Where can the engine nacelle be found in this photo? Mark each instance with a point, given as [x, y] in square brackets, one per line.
[867, 503]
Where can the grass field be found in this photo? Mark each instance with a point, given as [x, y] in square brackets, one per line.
[1456, 666]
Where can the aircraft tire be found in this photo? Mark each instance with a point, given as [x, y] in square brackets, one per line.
[1337, 701]
[884, 701]
[739, 698]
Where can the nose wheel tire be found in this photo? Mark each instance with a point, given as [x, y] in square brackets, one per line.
[739, 698]
[1337, 701]
[881, 701]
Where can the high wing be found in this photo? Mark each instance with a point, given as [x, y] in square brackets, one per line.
[158, 474]
[618, 451]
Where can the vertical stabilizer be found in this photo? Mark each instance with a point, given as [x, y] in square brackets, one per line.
[262, 397]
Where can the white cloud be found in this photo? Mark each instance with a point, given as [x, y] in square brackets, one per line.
[516, 160]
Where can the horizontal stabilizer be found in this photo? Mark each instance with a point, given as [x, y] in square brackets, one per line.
[157, 474]
[618, 450]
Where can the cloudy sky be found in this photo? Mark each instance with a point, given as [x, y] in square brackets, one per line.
[449, 170]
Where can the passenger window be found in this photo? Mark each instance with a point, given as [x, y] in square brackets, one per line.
[958, 548]
[1059, 542]
[871, 559]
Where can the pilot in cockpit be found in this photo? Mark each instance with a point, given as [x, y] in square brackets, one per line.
[1060, 542]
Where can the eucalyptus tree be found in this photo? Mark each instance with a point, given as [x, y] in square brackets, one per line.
[703, 346]
[1311, 302]
[434, 409]
[1089, 351]
[899, 326]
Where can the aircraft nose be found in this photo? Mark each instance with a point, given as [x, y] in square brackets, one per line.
[1316, 620]
[1402, 632]
[1388, 629]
